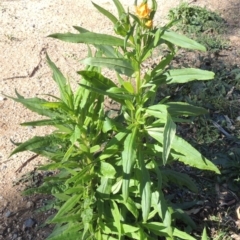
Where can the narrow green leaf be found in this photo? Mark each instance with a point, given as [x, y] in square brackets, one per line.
[121, 66]
[89, 38]
[128, 160]
[182, 235]
[182, 41]
[180, 179]
[167, 221]
[163, 64]
[184, 109]
[204, 234]
[69, 231]
[51, 166]
[157, 228]
[129, 87]
[117, 97]
[113, 146]
[159, 203]
[184, 217]
[36, 105]
[45, 122]
[34, 143]
[117, 218]
[129, 228]
[132, 207]
[81, 29]
[65, 89]
[116, 187]
[67, 218]
[187, 75]
[106, 13]
[184, 152]
[145, 187]
[106, 50]
[158, 111]
[119, 7]
[83, 172]
[168, 137]
[67, 206]
[97, 80]
[105, 188]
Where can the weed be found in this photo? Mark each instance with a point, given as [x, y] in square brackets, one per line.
[111, 170]
[201, 24]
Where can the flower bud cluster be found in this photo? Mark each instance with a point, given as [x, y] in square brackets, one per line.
[143, 12]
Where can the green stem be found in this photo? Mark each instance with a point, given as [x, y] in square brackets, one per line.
[138, 79]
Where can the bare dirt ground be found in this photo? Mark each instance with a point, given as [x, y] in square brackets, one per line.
[24, 25]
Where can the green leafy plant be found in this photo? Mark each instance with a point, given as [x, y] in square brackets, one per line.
[111, 170]
[201, 24]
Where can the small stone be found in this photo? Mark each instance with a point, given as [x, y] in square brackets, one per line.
[2, 98]
[9, 214]
[29, 223]
[30, 204]
[15, 236]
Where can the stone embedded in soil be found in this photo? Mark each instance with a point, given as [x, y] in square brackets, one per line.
[9, 214]
[29, 223]
[30, 204]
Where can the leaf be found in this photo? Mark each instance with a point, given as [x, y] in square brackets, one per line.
[89, 38]
[175, 109]
[118, 97]
[184, 109]
[187, 75]
[37, 105]
[105, 13]
[97, 80]
[67, 207]
[67, 218]
[45, 122]
[180, 179]
[204, 234]
[105, 188]
[182, 235]
[145, 187]
[163, 63]
[121, 66]
[128, 160]
[117, 218]
[167, 221]
[168, 137]
[107, 170]
[158, 111]
[83, 172]
[182, 41]
[113, 146]
[119, 7]
[34, 144]
[132, 207]
[157, 228]
[65, 89]
[116, 187]
[184, 152]
[129, 87]
[69, 231]
[106, 50]
[183, 217]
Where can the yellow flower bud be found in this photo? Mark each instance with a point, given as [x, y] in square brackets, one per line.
[142, 10]
[149, 24]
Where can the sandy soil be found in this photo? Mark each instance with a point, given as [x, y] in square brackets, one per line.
[23, 44]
